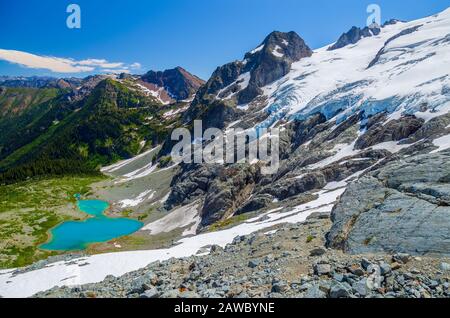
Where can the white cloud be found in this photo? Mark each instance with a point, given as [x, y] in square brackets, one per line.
[64, 65]
[54, 64]
[136, 66]
[100, 63]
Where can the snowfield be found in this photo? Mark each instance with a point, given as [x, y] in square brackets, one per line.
[123, 163]
[146, 195]
[443, 143]
[411, 71]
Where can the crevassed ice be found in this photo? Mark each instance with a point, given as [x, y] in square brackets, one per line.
[411, 76]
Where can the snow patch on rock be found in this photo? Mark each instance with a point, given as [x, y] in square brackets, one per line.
[443, 143]
[144, 196]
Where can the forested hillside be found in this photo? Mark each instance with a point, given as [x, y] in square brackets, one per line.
[47, 133]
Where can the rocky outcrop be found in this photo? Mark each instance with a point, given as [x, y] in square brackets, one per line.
[394, 130]
[192, 182]
[223, 189]
[307, 129]
[271, 61]
[431, 129]
[402, 207]
[228, 192]
[354, 35]
[256, 203]
[289, 187]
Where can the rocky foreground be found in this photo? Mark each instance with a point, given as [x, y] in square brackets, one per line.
[291, 262]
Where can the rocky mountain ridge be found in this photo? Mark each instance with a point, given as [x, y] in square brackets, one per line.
[173, 85]
[241, 82]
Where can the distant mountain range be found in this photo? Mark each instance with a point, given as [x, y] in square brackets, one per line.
[97, 119]
[169, 86]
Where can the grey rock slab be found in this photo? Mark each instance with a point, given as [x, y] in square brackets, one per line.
[384, 212]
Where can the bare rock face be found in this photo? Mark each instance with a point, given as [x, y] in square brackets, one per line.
[223, 189]
[402, 207]
[228, 192]
[394, 130]
[431, 129]
[354, 35]
[178, 83]
[256, 203]
[191, 183]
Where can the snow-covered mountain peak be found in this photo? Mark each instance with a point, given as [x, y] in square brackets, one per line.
[240, 82]
[403, 68]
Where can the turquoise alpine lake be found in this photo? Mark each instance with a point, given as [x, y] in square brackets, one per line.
[77, 235]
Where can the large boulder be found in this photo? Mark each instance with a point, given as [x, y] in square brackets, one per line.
[402, 207]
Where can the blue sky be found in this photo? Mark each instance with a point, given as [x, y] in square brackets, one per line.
[158, 34]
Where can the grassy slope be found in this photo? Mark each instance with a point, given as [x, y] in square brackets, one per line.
[15, 101]
[21, 112]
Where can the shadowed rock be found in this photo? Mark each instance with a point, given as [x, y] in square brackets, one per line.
[394, 130]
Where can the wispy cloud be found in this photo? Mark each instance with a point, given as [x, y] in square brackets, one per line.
[136, 66]
[100, 63]
[65, 65]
